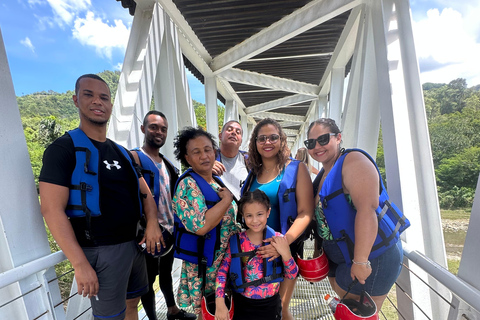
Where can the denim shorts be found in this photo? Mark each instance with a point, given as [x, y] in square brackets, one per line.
[385, 269]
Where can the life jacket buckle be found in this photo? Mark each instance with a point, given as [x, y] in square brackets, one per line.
[324, 203]
[85, 187]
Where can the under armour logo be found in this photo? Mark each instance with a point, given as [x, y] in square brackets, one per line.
[114, 164]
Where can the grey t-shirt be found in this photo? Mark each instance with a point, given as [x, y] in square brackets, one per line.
[236, 173]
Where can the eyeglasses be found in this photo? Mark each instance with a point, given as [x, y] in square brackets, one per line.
[322, 140]
[272, 138]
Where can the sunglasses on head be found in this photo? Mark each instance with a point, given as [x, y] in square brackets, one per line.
[272, 138]
[322, 140]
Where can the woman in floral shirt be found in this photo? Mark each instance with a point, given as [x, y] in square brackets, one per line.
[196, 148]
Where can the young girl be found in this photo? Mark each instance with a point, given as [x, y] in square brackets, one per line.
[254, 281]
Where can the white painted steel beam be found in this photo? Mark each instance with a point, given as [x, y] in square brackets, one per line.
[270, 82]
[211, 105]
[345, 46]
[279, 103]
[468, 269]
[290, 132]
[303, 19]
[300, 56]
[336, 93]
[138, 73]
[280, 116]
[23, 238]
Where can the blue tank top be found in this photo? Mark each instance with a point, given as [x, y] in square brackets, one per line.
[271, 190]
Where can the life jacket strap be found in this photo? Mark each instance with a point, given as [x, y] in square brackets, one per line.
[88, 154]
[286, 193]
[401, 221]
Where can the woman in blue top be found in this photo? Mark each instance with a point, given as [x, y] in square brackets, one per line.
[287, 184]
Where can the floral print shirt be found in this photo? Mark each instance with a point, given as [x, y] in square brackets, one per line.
[189, 205]
[252, 271]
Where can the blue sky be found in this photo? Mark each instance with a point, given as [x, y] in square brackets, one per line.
[49, 43]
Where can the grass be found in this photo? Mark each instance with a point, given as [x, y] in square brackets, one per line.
[455, 214]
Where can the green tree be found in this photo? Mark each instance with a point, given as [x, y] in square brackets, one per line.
[461, 170]
[49, 130]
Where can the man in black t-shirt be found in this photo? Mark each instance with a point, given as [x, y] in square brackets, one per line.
[109, 268]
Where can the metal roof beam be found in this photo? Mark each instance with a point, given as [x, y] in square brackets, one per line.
[269, 82]
[281, 116]
[303, 19]
[344, 48]
[286, 124]
[301, 56]
[290, 132]
[279, 103]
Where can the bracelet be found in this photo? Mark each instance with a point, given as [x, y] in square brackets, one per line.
[367, 263]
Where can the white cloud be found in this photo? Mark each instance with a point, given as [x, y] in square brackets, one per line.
[118, 66]
[447, 47]
[34, 2]
[66, 10]
[27, 43]
[94, 32]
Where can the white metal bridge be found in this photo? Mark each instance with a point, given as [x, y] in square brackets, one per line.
[294, 61]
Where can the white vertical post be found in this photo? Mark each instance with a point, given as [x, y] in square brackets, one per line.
[231, 111]
[164, 89]
[211, 105]
[336, 93]
[468, 270]
[22, 235]
[408, 160]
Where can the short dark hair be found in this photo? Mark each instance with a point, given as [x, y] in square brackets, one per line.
[185, 135]
[256, 195]
[91, 76]
[229, 121]
[155, 112]
[325, 122]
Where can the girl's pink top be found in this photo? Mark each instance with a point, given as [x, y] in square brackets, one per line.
[253, 271]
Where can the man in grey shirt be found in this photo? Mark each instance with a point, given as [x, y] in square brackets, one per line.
[231, 161]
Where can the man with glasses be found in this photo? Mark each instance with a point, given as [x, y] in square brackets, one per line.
[231, 162]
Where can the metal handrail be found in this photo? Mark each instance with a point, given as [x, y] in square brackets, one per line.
[25, 270]
[459, 287]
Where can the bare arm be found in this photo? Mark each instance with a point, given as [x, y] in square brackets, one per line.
[360, 180]
[215, 214]
[54, 199]
[153, 234]
[305, 206]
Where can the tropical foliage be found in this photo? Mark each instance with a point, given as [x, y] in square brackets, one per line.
[453, 113]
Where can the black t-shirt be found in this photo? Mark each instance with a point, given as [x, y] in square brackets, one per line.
[118, 190]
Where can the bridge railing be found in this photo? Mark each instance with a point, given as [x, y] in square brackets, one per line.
[55, 310]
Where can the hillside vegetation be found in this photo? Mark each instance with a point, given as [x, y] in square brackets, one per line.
[453, 114]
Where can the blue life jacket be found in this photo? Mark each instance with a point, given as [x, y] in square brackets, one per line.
[151, 175]
[272, 271]
[188, 245]
[340, 215]
[287, 201]
[84, 194]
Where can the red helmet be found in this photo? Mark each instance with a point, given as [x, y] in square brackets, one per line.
[313, 270]
[349, 309]
[208, 306]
